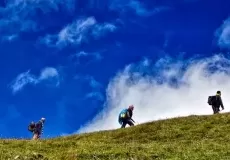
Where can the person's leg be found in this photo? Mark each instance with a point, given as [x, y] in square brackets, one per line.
[35, 136]
[39, 135]
[124, 122]
[130, 122]
[120, 121]
[215, 109]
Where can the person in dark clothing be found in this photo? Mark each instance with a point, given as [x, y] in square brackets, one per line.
[125, 117]
[37, 128]
[217, 102]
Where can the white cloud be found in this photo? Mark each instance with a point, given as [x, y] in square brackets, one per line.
[48, 72]
[100, 30]
[146, 62]
[78, 31]
[21, 80]
[223, 34]
[81, 54]
[156, 96]
[137, 6]
[27, 78]
[92, 56]
[75, 32]
[95, 95]
[96, 88]
[9, 38]
[93, 83]
[19, 15]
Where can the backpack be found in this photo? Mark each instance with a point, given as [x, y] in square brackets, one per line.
[123, 113]
[31, 127]
[211, 100]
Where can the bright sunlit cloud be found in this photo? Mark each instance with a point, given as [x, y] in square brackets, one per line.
[165, 89]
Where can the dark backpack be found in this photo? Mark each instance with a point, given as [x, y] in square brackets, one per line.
[31, 127]
[211, 100]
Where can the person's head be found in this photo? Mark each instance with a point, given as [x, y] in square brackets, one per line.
[131, 107]
[218, 93]
[32, 123]
[43, 120]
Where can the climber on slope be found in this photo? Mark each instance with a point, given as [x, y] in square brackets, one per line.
[37, 128]
[216, 102]
[125, 117]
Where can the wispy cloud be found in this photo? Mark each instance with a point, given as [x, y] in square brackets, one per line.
[9, 37]
[77, 32]
[93, 83]
[136, 6]
[95, 95]
[96, 87]
[223, 34]
[21, 80]
[141, 10]
[81, 54]
[19, 15]
[27, 78]
[48, 72]
[93, 56]
[171, 88]
[101, 30]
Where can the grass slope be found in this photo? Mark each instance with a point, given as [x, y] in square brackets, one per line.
[193, 137]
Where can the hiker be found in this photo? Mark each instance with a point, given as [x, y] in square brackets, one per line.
[216, 102]
[37, 128]
[125, 117]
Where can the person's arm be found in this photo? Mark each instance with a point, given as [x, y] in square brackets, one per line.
[127, 114]
[130, 115]
[221, 103]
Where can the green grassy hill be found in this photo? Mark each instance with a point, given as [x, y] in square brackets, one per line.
[193, 137]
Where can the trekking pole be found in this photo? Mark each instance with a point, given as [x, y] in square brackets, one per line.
[133, 120]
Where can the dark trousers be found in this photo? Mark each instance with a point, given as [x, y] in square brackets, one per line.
[215, 109]
[125, 122]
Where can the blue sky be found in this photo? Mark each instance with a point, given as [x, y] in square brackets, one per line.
[78, 63]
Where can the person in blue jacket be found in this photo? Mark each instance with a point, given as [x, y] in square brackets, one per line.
[125, 117]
